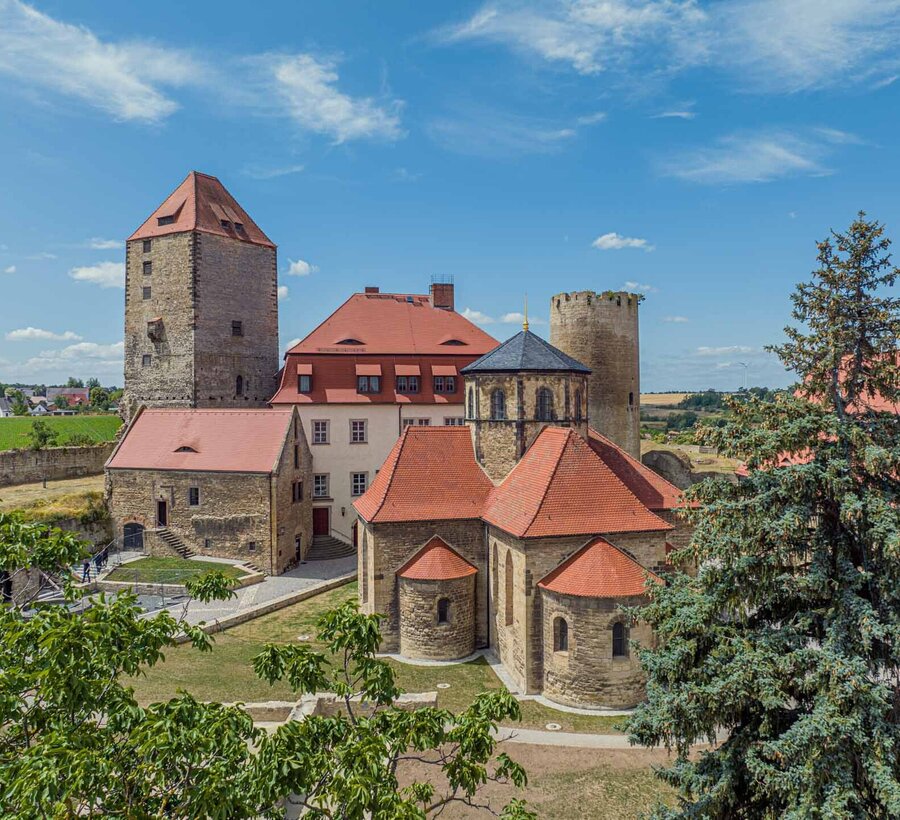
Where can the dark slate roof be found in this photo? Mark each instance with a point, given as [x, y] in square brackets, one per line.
[525, 351]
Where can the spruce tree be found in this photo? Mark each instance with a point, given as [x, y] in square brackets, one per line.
[786, 641]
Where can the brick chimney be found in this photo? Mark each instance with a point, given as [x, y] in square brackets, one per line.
[371, 289]
[442, 295]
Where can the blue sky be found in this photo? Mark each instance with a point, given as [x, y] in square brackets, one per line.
[692, 151]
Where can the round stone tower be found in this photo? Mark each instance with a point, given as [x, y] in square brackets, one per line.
[601, 330]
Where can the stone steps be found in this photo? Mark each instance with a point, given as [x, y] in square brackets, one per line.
[173, 541]
[327, 548]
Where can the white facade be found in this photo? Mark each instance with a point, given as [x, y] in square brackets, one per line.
[345, 464]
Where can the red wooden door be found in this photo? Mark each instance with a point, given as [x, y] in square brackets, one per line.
[321, 521]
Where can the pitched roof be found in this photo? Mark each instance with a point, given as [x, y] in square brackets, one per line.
[562, 487]
[526, 351]
[429, 475]
[244, 441]
[392, 323]
[201, 203]
[599, 570]
[653, 491]
[436, 561]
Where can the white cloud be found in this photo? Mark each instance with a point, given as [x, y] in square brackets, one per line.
[300, 268]
[282, 292]
[678, 320]
[97, 359]
[615, 242]
[105, 274]
[257, 172]
[10, 269]
[727, 350]
[42, 255]
[26, 334]
[638, 287]
[591, 119]
[760, 156]
[678, 114]
[98, 244]
[291, 343]
[516, 318]
[478, 317]
[125, 79]
[513, 318]
[308, 89]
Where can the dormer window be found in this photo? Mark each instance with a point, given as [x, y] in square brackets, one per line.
[226, 224]
[185, 449]
[355, 342]
[165, 220]
[239, 226]
[453, 342]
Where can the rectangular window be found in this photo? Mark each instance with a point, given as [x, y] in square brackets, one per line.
[454, 421]
[145, 360]
[206, 543]
[194, 497]
[320, 485]
[237, 328]
[320, 432]
[407, 384]
[445, 384]
[148, 268]
[251, 546]
[296, 457]
[297, 492]
[165, 220]
[423, 422]
[368, 384]
[408, 422]
[147, 245]
[358, 432]
[358, 483]
[304, 384]
[145, 292]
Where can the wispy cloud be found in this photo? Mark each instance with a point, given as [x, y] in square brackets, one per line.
[405, 175]
[678, 320]
[638, 287]
[9, 269]
[616, 242]
[675, 114]
[27, 334]
[478, 317]
[257, 172]
[727, 350]
[42, 255]
[300, 267]
[760, 156]
[512, 318]
[105, 274]
[97, 359]
[591, 119]
[282, 293]
[98, 244]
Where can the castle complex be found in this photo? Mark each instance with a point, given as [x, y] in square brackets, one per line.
[493, 493]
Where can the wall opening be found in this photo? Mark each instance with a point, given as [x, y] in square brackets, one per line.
[619, 640]
[508, 592]
[443, 611]
[560, 635]
[239, 386]
[545, 404]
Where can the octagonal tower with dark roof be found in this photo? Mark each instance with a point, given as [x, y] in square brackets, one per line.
[515, 391]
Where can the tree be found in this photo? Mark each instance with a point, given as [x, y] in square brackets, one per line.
[62, 402]
[788, 638]
[73, 382]
[41, 435]
[76, 744]
[92, 383]
[99, 398]
[19, 402]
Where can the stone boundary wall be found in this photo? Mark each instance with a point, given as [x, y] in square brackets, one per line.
[52, 464]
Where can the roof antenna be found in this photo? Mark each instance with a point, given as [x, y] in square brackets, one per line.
[525, 323]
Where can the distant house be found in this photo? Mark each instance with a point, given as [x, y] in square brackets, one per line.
[39, 410]
[5, 408]
[75, 395]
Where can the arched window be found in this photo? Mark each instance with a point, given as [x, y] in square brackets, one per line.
[444, 611]
[619, 640]
[471, 403]
[508, 581]
[545, 404]
[495, 572]
[560, 635]
[578, 399]
[239, 386]
[498, 404]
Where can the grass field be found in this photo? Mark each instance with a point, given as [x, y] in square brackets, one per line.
[14, 431]
[226, 673]
[662, 399]
[31, 496]
[169, 570]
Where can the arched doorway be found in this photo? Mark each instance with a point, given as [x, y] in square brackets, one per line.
[133, 537]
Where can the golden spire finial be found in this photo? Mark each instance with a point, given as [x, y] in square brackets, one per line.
[525, 323]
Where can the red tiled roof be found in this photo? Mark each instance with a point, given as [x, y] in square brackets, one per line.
[201, 203]
[334, 379]
[653, 491]
[562, 487]
[430, 475]
[436, 562]
[244, 441]
[599, 570]
[389, 323]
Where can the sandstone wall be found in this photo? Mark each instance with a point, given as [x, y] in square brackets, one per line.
[293, 519]
[421, 634]
[53, 463]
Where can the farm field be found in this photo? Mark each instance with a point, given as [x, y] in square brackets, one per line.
[29, 496]
[14, 431]
[662, 399]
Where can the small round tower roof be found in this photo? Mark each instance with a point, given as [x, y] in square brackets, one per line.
[526, 351]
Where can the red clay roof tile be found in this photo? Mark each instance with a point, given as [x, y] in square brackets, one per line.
[599, 570]
[436, 561]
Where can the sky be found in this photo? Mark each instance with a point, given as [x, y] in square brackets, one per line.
[692, 152]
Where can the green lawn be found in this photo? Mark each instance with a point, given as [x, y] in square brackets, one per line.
[14, 431]
[226, 673]
[169, 570]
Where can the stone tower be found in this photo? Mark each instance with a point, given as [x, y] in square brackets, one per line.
[515, 391]
[601, 330]
[201, 304]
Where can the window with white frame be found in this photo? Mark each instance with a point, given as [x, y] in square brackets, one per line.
[423, 422]
[407, 384]
[358, 431]
[320, 432]
[454, 421]
[358, 483]
[320, 485]
[445, 384]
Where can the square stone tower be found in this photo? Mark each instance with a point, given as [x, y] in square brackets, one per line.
[201, 304]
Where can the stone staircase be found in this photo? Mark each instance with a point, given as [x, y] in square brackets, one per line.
[326, 548]
[174, 542]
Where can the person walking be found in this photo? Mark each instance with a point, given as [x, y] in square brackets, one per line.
[86, 571]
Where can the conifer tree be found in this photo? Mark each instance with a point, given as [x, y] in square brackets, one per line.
[786, 642]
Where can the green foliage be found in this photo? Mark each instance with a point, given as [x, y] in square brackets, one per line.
[92, 383]
[788, 638]
[73, 382]
[14, 432]
[710, 400]
[62, 402]
[79, 440]
[99, 397]
[42, 435]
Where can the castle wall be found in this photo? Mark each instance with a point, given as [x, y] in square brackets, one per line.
[293, 519]
[601, 331]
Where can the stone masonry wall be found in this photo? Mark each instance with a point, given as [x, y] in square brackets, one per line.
[293, 519]
[421, 635]
[601, 331]
[587, 674]
[389, 546]
[53, 463]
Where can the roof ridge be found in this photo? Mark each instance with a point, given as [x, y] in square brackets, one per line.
[591, 542]
[552, 474]
[393, 473]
